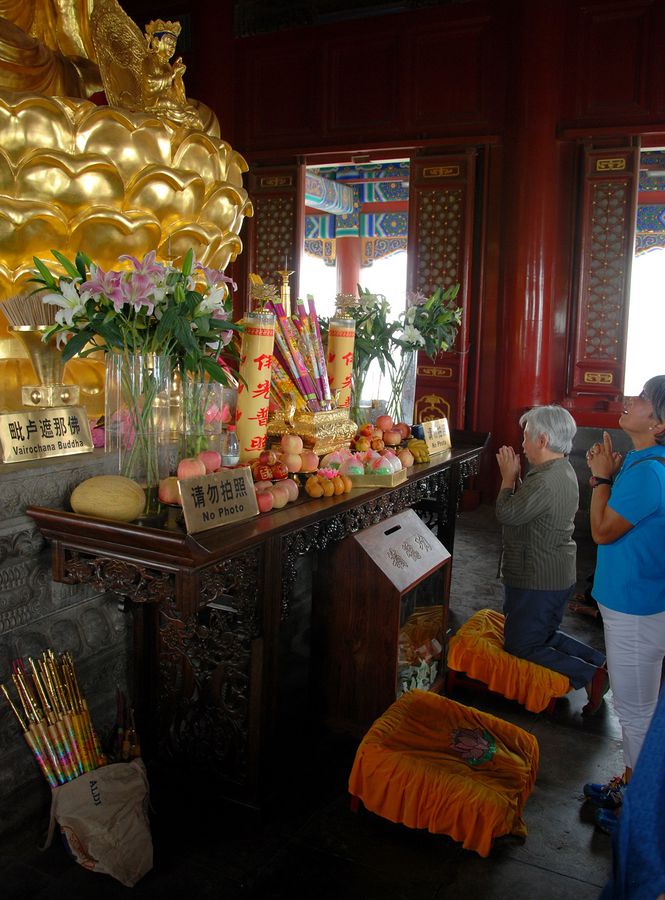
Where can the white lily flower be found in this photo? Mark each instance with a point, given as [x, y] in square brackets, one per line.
[69, 300]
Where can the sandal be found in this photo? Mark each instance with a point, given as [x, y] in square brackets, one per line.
[580, 606]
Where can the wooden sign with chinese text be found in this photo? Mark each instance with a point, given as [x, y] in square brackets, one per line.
[437, 435]
[221, 498]
[42, 433]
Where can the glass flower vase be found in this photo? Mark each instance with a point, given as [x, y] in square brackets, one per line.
[206, 407]
[402, 388]
[136, 417]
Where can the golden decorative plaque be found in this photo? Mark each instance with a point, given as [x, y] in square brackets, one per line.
[437, 435]
[42, 433]
[222, 498]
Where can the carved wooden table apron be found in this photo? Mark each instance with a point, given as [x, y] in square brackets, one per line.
[207, 609]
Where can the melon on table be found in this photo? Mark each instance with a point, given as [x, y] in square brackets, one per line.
[109, 497]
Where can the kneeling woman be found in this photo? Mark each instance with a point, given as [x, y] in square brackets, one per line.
[539, 553]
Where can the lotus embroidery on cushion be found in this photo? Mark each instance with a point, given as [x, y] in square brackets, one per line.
[475, 745]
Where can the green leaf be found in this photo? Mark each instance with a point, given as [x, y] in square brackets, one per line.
[67, 265]
[188, 262]
[47, 278]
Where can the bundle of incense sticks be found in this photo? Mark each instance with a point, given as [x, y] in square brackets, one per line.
[54, 717]
[300, 357]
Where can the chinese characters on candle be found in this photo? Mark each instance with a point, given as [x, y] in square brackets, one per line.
[254, 387]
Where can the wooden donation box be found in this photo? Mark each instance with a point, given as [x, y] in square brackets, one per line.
[379, 620]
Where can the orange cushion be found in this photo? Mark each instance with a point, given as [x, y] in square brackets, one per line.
[477, 650]
[429, 762]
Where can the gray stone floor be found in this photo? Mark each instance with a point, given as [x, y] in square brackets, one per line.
[310, 845]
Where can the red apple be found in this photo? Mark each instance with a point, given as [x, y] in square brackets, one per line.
[264, 500]
[280, 495]
[291, 443]
[268, 457]
[280, 470]
[366, 430]
[262, 473]
[292, 488]
[392, 437]
[404, 429]
[191, 466]
[210, 459]
[385, 423]
[168, 490]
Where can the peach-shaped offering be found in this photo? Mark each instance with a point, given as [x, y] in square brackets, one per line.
[292, 461]
[332, 460]
[310, 461]
[291, 443]
[406, 458]
[380, 466]
[352, 466]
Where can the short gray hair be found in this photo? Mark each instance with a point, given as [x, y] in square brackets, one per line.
[555, 422]
[654, 391]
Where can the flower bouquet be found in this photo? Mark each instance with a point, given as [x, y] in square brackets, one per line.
[429, 324]
[149, 318]
[373, 338]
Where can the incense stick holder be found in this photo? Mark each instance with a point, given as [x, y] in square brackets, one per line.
[48, 365]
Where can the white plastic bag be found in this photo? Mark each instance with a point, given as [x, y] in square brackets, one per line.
[103, 817]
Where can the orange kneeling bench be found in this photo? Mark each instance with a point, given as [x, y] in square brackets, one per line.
[429, 762]
[477, 652]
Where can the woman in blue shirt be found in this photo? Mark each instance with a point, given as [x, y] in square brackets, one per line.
[628, 524]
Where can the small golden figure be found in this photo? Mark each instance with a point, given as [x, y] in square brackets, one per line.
[164, 89]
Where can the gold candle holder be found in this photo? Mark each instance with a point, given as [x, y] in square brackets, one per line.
[285, 289]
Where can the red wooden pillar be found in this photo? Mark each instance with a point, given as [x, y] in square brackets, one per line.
[529, 229]
[347, 254]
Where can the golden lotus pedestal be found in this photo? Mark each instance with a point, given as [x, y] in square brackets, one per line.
[321, 432]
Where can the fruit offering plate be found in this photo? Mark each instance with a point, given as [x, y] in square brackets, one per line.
[375, 479]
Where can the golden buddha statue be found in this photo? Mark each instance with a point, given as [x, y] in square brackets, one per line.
[46, 48]
[147, 172]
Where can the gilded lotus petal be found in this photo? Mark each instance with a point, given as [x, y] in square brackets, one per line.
[237, 166]
[69, 181]
[200, 237]
[172, 196]
[104, 234]
[199, 152]
[221, 208]
[132, 142]
[32, 122]
[6, 175]
[26, 224]
[228, 248]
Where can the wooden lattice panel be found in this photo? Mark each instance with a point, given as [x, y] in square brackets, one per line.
[606, 271]
[440, 217]
[275, 226]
